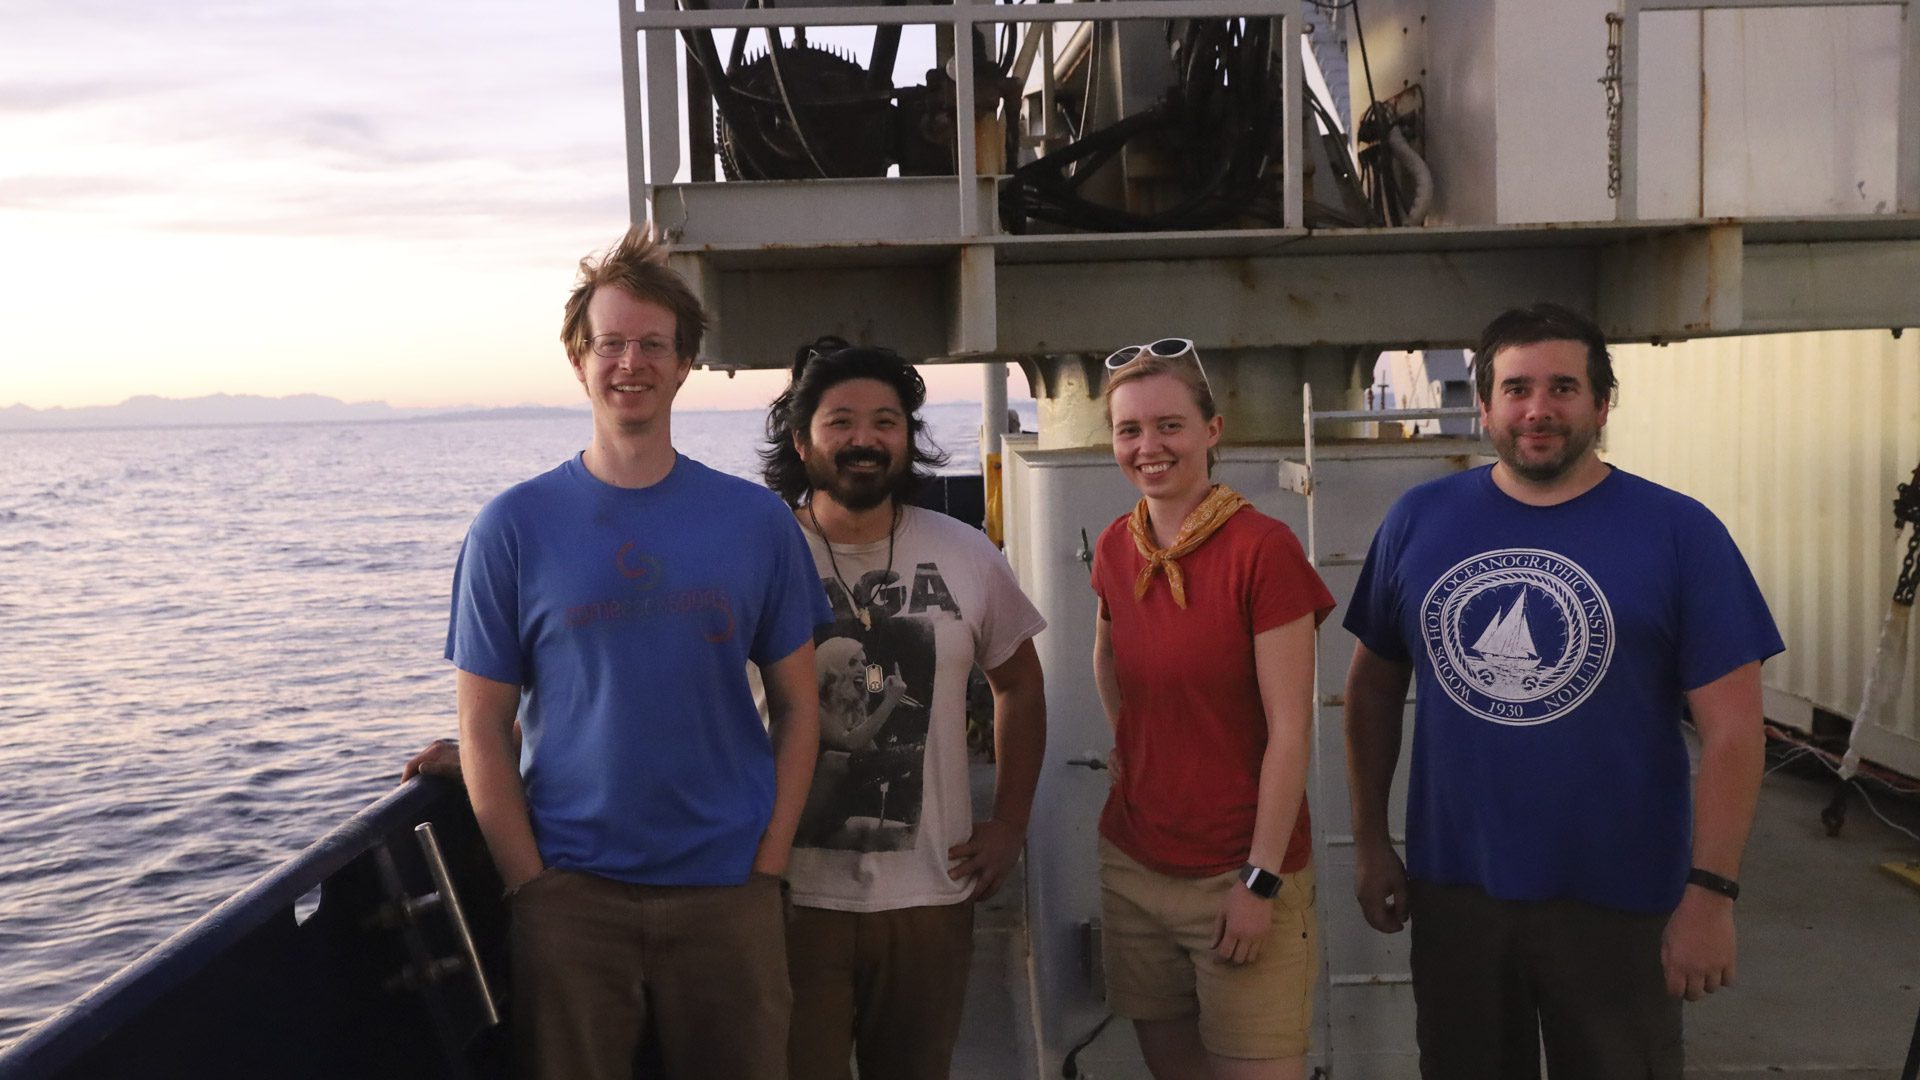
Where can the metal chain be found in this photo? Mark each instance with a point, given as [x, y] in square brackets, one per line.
[1611, 80]
[1903, 589]
[1906, 511]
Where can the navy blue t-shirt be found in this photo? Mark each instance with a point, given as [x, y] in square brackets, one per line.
[627, 617]
[1552, 647]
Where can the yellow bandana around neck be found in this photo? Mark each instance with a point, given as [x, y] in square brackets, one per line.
[1220, 504]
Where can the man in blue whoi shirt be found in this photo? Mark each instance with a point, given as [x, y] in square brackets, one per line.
[612, 604]
[1560, 615]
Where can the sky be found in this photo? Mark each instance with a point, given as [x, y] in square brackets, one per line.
[368, 200]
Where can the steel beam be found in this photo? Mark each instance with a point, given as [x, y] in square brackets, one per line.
[1834, 286]
[974, 326]
[765, 314]
[1687, 279]
[1381, 289]
[1408, 300]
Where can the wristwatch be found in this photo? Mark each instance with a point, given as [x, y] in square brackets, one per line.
[1713, 882]
[1264, 884]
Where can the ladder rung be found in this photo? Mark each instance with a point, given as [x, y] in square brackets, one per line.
[1396, 414]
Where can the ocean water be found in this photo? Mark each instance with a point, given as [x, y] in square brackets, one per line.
[216, 644]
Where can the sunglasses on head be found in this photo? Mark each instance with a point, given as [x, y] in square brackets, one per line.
[1173, 348]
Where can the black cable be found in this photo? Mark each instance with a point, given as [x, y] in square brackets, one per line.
[1912, 1069]
[1360, 31]
[705, 53]
[1377, 167]
[1091, 64]
[774, 48]
[1217, 121]
[1070, 1068]
[886, 50]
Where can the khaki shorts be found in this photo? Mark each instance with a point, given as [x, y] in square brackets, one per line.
[1157, 944]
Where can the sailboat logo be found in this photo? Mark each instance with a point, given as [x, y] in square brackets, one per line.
[1505, 650]
[1519, 636]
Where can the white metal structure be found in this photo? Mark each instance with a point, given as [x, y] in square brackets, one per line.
[1520, 148]
[921, 263]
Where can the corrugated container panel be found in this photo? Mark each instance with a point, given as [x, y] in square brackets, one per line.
[1797, 441]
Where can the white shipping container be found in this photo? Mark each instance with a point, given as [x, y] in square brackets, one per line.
[1797, 442]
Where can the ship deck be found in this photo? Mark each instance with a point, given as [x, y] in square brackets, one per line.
[1828, 985]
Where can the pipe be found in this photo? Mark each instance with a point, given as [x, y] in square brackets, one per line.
[1403, 152]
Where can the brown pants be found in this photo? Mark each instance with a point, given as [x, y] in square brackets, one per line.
[1493, 979]
[599, 966]
[885, 985]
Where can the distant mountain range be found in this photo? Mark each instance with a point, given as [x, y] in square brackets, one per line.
[218, 409]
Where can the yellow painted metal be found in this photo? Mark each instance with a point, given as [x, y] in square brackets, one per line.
[1908, 872]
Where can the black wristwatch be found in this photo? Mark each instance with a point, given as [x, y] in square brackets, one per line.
[1264, 884]
[1713, 882]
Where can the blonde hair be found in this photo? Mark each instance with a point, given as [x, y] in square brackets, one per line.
[638, 265]
[1185, 370]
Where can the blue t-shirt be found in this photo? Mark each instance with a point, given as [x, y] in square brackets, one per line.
[1552, 647]
[627, 617]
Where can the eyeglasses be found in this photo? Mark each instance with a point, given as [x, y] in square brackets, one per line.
[1173, 348]
[613, 346]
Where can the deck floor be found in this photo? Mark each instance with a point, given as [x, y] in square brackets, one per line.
[1828, 984]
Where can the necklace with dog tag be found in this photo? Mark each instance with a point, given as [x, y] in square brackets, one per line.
[876, 679]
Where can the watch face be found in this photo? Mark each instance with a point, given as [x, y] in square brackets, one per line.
[1262, 883]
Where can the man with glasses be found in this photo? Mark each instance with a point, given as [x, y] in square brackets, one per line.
[1561, 616]
[889, 858]
[612, 605]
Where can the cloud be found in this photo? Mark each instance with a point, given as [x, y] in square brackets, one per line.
[356, 169]
[52, 94]
[329, 119]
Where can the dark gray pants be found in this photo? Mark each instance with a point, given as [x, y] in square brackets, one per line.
[1495, 979]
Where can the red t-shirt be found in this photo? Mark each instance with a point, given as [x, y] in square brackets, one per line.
[1192, 728]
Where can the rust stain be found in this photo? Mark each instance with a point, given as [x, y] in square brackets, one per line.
[1243, 269]
[1705, 111]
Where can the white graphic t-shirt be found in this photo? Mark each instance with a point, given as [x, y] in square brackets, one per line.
[890, 793]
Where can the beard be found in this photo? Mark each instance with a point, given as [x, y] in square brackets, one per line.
[859, 490]
[1576, 441]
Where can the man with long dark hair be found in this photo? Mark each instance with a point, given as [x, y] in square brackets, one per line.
[889, 858]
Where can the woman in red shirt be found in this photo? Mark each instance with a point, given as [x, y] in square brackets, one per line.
[1203, 654]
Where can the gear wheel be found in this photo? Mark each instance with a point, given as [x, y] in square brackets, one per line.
[844, 118]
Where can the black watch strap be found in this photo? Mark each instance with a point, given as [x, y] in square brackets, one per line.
[1713, 882]
[1264, 884]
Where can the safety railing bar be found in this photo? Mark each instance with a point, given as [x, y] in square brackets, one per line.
[1738, 5]
[1395, 414]
[949, 14]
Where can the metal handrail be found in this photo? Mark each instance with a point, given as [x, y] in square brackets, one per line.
[1370, 415]
[63, 1038]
